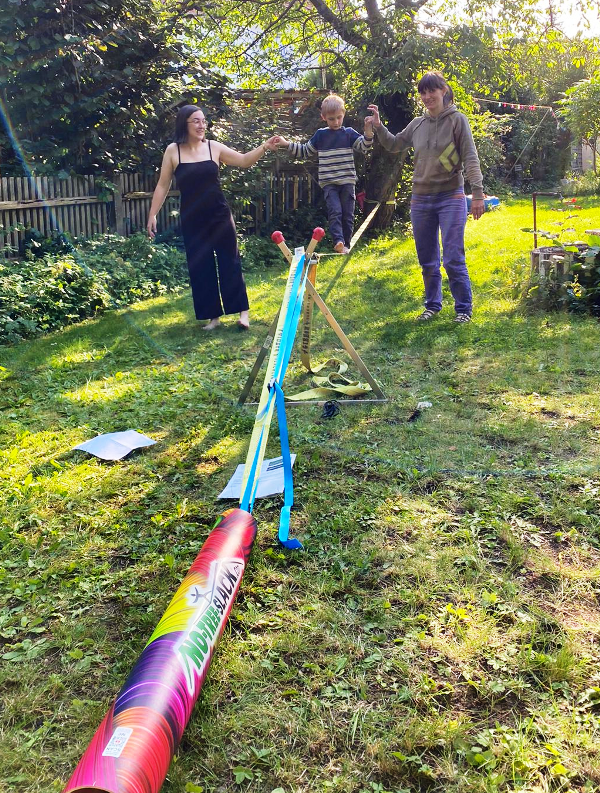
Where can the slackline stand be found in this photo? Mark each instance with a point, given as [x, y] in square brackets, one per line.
[311, 299]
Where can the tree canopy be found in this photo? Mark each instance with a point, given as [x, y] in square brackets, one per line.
[88, 86]
[84, 83]
[581, 111]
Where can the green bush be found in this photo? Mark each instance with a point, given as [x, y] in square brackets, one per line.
[583, 290]
[297, 225]
[259, 252]
[578, 291]
[576, 184]
[38, 295]
[34, 241]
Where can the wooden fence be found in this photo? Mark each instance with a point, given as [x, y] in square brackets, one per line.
[73, 205]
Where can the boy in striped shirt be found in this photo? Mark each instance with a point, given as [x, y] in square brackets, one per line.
[335, 146]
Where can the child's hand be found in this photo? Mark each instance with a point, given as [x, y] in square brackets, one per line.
[272, 143]
[374, 120]
[369, 127]
[280, 141]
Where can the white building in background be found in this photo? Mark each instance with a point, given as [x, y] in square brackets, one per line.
[583, 157]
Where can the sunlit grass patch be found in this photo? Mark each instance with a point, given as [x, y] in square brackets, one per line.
[438, 632]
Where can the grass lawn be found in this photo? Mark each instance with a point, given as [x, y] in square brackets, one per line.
[440, 630]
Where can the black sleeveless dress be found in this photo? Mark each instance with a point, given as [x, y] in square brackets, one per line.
[208, 230]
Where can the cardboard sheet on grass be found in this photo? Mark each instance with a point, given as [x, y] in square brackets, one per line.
[270, 480]
[115, 445]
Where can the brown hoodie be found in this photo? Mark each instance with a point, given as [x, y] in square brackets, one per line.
[443, 147]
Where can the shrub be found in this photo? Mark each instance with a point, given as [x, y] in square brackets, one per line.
[583, 290]
[575, 184]
[38, 245]
[38, 295]
[259, 252]
[578, 291]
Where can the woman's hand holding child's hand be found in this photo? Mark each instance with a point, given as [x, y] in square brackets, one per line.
[273, 143]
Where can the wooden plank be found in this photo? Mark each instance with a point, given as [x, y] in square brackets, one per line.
[82, 188]
[50, 194]
[74, 208]
[119, 207]
[11, 216]
[26, 203]
[85, 209]
[4, 239]
[39, 212]
[18, 187]
[71, 222]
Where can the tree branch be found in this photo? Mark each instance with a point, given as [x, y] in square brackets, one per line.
[410, 5]
[377, 22]
[343, 29]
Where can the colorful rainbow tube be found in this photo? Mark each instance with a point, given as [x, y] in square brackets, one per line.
[133, 747]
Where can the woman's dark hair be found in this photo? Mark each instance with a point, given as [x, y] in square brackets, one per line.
[432, 80]
[181, 129]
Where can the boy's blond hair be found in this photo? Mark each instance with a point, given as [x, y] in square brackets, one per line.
[331, 103]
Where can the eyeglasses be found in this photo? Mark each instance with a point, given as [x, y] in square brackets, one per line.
[199, 122]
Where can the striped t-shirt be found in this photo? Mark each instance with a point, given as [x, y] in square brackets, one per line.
[335, 149]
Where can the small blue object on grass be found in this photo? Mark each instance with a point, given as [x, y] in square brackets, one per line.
[490, 202]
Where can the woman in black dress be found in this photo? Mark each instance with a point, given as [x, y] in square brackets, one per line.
[206, 220]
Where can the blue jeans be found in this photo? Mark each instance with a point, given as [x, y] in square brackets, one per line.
[340, 200]
[445, 212]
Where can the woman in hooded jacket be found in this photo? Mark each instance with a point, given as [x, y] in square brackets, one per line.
[443, 150]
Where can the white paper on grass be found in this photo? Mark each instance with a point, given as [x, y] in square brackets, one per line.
[115, 445]
[270, 481]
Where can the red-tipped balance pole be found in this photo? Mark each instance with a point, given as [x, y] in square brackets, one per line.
[279, 240]
[317, 236]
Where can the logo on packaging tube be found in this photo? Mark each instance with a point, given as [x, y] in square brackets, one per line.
[195, 648]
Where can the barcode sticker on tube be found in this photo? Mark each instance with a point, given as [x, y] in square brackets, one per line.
[117, 742]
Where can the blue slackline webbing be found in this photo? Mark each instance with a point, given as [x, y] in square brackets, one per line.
[288, 335]
[288, 487]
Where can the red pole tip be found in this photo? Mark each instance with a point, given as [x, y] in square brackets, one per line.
[318, 234]
[277, 237]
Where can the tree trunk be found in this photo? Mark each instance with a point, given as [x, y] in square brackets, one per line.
[386, 168]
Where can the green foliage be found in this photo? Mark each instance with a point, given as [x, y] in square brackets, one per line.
[583, 288]
[580, 109]
[35, 243]
[438, 631]
[488, 131]
[571, 279]
[43, 293]
[259, 253]
[585, 184]
[87, 85]
[297, 226]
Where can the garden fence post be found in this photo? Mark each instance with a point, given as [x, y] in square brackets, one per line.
[119, 206]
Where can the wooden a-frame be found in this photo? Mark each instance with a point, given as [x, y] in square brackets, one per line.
[311, 299]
